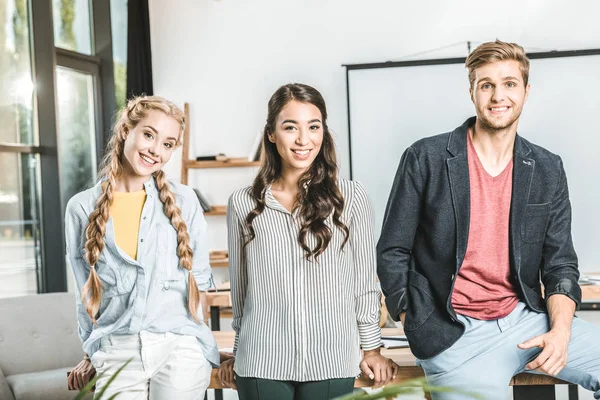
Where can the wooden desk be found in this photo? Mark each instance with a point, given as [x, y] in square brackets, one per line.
[214, 302]
[525, 386]
[590, 296]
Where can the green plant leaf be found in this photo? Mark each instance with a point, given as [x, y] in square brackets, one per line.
[412, 386]
[99, 395]
[87, 388]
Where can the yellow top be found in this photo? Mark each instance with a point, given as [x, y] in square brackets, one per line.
[126, 211]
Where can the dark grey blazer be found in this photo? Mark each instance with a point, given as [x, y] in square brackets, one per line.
[426, 228]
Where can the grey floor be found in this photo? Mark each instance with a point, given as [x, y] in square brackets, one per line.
[561, 391]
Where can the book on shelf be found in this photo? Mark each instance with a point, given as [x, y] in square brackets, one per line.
[203, 202]
[218, 254]
[394, 342]
[217, 157]
[256, 149]
[222, 287]
[589, 280]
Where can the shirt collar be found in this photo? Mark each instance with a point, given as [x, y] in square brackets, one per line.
[271, 201]
[149, 187]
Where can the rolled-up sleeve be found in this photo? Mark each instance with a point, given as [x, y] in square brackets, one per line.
[366, 290]
[75, 224]
[199, 244]
[560, 272]
[237, 268]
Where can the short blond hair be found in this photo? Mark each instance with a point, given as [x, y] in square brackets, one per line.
[490, 52]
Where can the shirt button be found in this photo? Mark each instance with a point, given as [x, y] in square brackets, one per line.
[141, 240]
[145, 218]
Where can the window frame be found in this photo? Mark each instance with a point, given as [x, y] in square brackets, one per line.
[89, 65]
[52, 276]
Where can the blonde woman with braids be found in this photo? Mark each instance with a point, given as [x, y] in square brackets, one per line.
[136, 244]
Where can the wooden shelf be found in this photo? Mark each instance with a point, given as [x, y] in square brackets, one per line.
[188, 164]
[222, 299]
[219, 263]
[216, 210]
[218, 258]
[231, 163]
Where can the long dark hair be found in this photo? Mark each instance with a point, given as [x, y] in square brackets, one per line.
[318, 191]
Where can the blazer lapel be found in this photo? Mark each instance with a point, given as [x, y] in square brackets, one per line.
[458, 170]
[458, 173]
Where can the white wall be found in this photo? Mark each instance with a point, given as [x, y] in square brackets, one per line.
[227, 57]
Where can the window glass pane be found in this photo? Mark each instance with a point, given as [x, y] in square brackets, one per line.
[16, 83]
[76, 131]
[118, 23]
[19, 224]
[72, 25]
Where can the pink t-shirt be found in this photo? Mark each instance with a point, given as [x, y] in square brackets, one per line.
[483, 289]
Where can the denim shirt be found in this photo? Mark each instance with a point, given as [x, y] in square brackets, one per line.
[151, 292]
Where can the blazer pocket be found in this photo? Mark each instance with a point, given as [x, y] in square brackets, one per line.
[420, 301]
[535, 221]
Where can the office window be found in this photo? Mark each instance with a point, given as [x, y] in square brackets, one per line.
[118, 17]
[72, 25]
[76, 131]
[19, 188]
[16, 90]
[20, 244]
[51, 129]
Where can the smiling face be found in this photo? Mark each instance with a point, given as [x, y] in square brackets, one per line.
[150, 144]
[298, 135]
[499, 93]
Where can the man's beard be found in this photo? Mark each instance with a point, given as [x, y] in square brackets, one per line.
[497, 127]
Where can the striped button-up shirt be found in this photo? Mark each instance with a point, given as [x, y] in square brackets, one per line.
[149, 293]
[295, 319]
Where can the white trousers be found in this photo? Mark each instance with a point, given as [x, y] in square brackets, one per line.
[163, 366]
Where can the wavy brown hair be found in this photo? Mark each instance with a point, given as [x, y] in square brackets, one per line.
[318, 193]
[498, 50]
[112, 170]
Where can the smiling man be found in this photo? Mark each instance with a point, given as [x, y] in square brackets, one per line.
[475, 218]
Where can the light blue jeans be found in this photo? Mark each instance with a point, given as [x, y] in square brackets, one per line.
[486, 357]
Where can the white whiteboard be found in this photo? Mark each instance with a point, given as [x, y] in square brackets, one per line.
[391, 108]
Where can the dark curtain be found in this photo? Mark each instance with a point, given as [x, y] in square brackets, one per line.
[139, 54]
